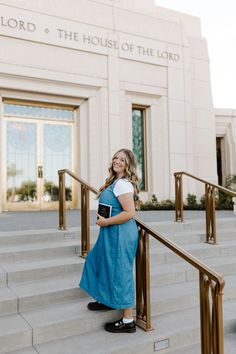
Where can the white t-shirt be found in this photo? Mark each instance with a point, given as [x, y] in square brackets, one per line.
[123, 186]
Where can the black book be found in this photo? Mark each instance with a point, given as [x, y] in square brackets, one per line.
[104, 210]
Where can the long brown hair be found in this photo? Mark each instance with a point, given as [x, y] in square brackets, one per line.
[130, 172]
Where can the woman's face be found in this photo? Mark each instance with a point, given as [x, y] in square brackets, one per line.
[119, 164]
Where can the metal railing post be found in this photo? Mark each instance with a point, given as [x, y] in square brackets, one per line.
[143, 310]
[210, 214]
[85, 232]
[178, 197]
[211, 315]
[62, 201]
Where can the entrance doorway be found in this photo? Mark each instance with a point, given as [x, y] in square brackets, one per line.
[39, 142]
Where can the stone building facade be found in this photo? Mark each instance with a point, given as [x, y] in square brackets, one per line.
[81, 79]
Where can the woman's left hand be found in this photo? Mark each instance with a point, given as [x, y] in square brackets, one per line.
[101, 221]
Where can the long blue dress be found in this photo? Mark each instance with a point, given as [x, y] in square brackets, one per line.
[108, 270]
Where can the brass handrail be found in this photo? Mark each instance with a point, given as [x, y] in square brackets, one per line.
[210, 189]
[211, 283]
[85, 224]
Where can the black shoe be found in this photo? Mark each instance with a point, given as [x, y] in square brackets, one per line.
[97, 306]
[120, 327]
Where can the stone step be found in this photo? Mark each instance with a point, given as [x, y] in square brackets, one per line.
[30, 350]
[29, 236]
[47, 292]
[191, 225]
[44, 250]
[8, 302]
[199, 250]
[171, 288]
[229, 346]
[181, 328]
[64, 320]
[15, 333]
[42, 269]
[163, 274]
[196, 236]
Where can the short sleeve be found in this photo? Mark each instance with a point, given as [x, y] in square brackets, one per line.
[123, 186]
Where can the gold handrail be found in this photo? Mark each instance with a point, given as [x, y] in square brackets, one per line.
[85, 224]
[210, 189]
[211, 283]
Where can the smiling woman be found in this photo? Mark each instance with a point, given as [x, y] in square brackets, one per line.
[108, 270]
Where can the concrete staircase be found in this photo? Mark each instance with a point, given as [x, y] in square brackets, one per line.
[42, 310]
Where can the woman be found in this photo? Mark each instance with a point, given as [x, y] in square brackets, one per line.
[108, 270]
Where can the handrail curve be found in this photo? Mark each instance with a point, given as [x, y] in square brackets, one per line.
[210, 191]
[220, 188]
[183, 254]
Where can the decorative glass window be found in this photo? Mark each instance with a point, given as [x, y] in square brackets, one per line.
[138, 131]
[33, 111]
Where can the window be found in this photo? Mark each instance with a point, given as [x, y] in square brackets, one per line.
[139, 149]
[40, 112]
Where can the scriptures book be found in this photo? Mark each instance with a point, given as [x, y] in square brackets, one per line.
[104, 210]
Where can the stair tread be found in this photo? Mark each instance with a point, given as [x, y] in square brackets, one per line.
[37, 246]
[6, 294]
[47, 285]
[101, 342]
[30, 350]
[12, 324]
[42, 263]
[192, 246]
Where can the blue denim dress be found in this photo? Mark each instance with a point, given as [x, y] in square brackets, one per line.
[108, 269]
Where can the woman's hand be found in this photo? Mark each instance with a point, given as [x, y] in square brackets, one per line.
[101, 221]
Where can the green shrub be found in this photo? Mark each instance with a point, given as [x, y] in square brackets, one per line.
[223, 202]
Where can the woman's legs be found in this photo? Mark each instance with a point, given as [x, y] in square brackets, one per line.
[128, 313]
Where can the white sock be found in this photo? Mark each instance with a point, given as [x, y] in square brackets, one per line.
[127, 320]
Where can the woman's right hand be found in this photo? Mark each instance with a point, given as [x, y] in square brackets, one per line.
[101, 221]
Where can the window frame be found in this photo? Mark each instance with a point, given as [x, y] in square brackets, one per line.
[144, 118]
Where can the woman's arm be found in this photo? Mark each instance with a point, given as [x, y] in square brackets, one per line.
[127, 202]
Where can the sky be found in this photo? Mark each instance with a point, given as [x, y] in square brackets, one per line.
[218, 23]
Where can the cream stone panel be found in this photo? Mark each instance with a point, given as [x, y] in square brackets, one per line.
[204, 142]
[186, 58]
[198, 48]
[176, 89]
[147, 26]
[113, 72]
[177, 163]
[189, 133]
[188, 112]
[94, 141]
[200, 70]
[159, 168]
[177, 137]
[187, 86]
[115, 133]
[86, 11]
[177, 110]
[203, 119]
[13, 76]
[201, 95]
[126, 120]
[191, 25]
[53, 59]
[104, 126]
[142, 73]
[143, 89]
[82, 133]
[204, 168]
